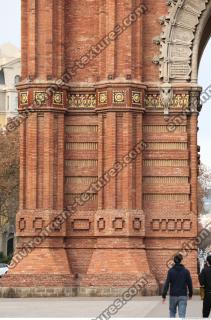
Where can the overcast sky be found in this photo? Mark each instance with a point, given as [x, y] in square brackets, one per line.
[205, 116]
[10, 22]
[10, 32]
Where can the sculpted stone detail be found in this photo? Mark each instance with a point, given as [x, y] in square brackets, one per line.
[166, 97]
[82, 101]
[24, 99]
[119, 97]
[136, 98]
[152, 101]
[103, 97]
[176, 45]
[58, 98]
[195, 102]
[167, 100]
[181, 101]
[40, 97]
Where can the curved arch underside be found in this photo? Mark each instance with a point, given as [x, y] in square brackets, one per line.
[185, 34]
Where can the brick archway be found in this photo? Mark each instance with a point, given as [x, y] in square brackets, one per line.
[146, 213]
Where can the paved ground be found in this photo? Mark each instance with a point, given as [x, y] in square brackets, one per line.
[89, 307]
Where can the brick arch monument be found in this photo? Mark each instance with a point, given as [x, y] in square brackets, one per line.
[99, 78]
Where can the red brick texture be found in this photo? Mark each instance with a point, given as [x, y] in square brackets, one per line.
[141, 218]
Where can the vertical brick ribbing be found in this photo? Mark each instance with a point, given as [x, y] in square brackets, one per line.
[60, 163]
[137, 46]
[108, 235]
[58, 38]
[110, 24]
[22, 186]
[24, 40]
[31, 162]
[40, 160]
[46, 31]
[48, 161]
[123, 52]
[100, 157]
[128, 170]
[55, 162]
[110, 159]
[32, 36]
[120, 142]
[102, 32]
[193, 161]
[139, 163]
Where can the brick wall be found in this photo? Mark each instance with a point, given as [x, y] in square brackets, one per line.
[136, 222]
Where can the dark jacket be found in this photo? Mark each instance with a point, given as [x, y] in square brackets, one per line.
[205, 278]
[180, 282]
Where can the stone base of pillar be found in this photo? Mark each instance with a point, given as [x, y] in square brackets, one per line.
[111, 272]
[74, 291]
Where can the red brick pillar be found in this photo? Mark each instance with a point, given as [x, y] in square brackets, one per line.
[193, 138]
[41, 192]
[193, 130]
[119, 223]
[41, 148]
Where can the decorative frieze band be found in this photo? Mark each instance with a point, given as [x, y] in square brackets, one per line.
[38, 98]
[81, 101]
[126, 97]
[116, 98]
[179, 101]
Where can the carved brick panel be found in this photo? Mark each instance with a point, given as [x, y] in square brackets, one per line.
[22, 224]
[38, 224]
[119, 222]
[171, 225]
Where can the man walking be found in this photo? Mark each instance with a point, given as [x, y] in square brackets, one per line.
[205, 281]
[180, 283]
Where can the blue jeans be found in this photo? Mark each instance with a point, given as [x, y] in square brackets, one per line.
[181, 303]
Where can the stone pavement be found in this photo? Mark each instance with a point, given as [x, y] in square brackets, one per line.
[149, 307]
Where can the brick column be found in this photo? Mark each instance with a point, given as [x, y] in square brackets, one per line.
[119, 223]
[41, 147]
[41, 190]
[193, 130]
